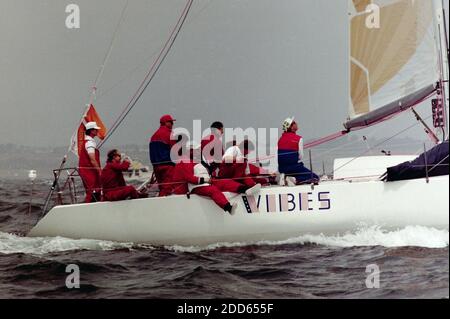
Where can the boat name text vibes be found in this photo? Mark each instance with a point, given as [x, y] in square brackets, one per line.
[290, 202]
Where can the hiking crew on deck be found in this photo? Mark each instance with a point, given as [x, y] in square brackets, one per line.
[192, 176]
[290, 154]
[212, 148]
[113, 183]
[235, 166]
[160, 145]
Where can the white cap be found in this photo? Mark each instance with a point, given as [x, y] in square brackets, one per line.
[288, 123]
[92, 126]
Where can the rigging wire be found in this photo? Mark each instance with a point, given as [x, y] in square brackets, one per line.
[149, 58]
[92, 96]
[152, 72]
[99, 76]
[102, 68]
[381, 143]
[108, 54]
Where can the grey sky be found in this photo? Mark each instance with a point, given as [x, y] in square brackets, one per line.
[249, 63]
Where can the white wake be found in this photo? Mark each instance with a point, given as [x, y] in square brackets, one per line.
[12, 244]
[416, 236]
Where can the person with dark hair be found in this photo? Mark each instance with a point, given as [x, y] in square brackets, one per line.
[89, 164]
[160, 147]
[212, 147]
[113, 183]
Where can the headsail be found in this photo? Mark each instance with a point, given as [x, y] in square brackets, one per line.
[394, 57]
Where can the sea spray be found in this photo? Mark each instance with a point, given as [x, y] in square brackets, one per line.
[414, 236]
[13, 244]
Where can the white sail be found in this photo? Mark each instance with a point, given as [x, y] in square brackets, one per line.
[394, 57]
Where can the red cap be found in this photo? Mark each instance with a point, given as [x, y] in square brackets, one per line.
[166, 118]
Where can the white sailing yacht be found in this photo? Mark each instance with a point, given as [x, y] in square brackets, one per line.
[395, 63]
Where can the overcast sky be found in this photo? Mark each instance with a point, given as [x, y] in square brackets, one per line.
[248, 63]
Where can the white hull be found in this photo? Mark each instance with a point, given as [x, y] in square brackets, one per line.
[177, 220]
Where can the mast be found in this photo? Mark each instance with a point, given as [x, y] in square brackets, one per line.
[441, 102]
[444, 51]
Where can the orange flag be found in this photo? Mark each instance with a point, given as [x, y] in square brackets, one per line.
[91, 115]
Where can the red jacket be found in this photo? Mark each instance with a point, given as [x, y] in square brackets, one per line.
[160, 145]
[112, 176]
[183, 174]
[213, 142]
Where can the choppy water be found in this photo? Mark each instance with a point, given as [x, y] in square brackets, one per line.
[414, 263]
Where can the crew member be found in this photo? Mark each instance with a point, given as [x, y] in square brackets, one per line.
[290, 154]
[160, 146]
[234, 166]
[191, 176]
[212, 148]
[89, 164]
[113, 183]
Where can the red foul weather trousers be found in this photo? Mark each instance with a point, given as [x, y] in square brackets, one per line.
[228, 185]
[121, 193]
[236, 171]
[214, 193]
[163, 177]
[91, 182]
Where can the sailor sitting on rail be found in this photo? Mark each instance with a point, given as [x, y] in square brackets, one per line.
[235, 166]
[244, 172]
[190, 175]
[290, 154]
[113, 183]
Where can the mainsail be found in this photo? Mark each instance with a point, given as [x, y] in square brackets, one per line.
[394, 57]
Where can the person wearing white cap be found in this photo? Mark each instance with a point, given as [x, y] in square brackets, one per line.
[290, 154]
[89, 163]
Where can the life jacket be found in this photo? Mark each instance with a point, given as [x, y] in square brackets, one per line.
[84, 162]
[159, 147]
[288, 150]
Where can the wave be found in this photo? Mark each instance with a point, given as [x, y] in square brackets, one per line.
[411, 236]
[13, 244]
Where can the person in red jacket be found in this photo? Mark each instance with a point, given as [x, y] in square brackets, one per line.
[290, 154]
[235, 166]
[113, 183]
[191, 176]
[89, 163]
[160, 147]
[212, 147]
